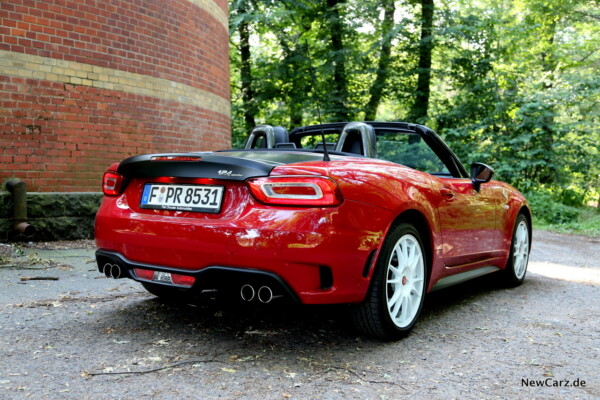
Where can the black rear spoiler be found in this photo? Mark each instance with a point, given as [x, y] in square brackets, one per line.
[194, 165]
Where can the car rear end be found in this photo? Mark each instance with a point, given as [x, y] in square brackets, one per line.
[230, 222]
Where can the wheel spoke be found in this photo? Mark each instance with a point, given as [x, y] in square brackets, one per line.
[394, 299]
[405, 256]
[417, 286]
[518, 266]
[394, 270]
[405, 314]
[412, 259]
[395, 305]
[523, 234]
[522, 263]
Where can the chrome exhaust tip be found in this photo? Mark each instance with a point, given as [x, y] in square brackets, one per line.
[265, 294]
[247, 292]
[107, 270]
[115, 271]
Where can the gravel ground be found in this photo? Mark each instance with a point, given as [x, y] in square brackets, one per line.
[84, 336]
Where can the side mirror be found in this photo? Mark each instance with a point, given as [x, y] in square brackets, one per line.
[480, 173]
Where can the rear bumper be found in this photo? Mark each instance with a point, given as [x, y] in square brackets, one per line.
[317, 255]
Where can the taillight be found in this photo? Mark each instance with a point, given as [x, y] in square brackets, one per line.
[146, 274]
[296, 191]
[112, 183]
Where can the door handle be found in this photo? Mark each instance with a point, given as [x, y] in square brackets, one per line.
[447, 193]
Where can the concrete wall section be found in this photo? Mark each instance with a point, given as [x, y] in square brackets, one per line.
[55, 216]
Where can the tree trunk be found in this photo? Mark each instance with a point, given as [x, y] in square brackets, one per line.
[376, 90]
[246, 70]
[340, 85]
[547, 173]
[295, 112]
[295, 96]
[419, 110]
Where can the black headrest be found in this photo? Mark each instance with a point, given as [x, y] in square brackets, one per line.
[281, 135]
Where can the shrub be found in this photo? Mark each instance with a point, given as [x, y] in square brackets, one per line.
[547, 208]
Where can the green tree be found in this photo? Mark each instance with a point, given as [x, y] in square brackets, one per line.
[510, 82]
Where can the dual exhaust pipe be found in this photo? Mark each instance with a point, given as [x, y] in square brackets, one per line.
[264, 294]
[112, 271]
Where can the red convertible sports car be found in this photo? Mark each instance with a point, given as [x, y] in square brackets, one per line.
[371, 214]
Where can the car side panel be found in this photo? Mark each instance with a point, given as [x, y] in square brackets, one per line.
[468, 220]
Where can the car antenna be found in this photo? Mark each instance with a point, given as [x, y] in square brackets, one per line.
[314, 90]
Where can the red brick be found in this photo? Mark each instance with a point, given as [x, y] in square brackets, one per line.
[17, 32]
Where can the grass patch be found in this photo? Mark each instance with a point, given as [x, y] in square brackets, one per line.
[553, 211]
[586, 222]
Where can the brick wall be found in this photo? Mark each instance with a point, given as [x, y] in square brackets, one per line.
[87, 83]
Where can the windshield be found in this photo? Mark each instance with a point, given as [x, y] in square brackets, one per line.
[409, 150]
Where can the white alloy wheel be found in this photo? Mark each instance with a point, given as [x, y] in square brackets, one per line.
[516, 265]
[520, 250]
[405, 280]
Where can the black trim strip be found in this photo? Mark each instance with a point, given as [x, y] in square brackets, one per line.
[204, 277]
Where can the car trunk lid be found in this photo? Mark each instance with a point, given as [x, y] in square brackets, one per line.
[195, 165]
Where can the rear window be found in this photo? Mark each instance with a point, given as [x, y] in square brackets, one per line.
[409, 150]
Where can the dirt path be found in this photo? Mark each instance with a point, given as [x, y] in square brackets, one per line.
[473, 341]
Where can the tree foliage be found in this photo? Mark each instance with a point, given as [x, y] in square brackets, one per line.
[513, 83]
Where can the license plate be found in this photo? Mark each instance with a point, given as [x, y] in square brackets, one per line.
[196, 198]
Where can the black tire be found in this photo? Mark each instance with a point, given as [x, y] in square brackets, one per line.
[374, 317]
[516, 266]
[168, 293]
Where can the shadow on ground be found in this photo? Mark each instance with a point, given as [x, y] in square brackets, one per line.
[278, 324]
